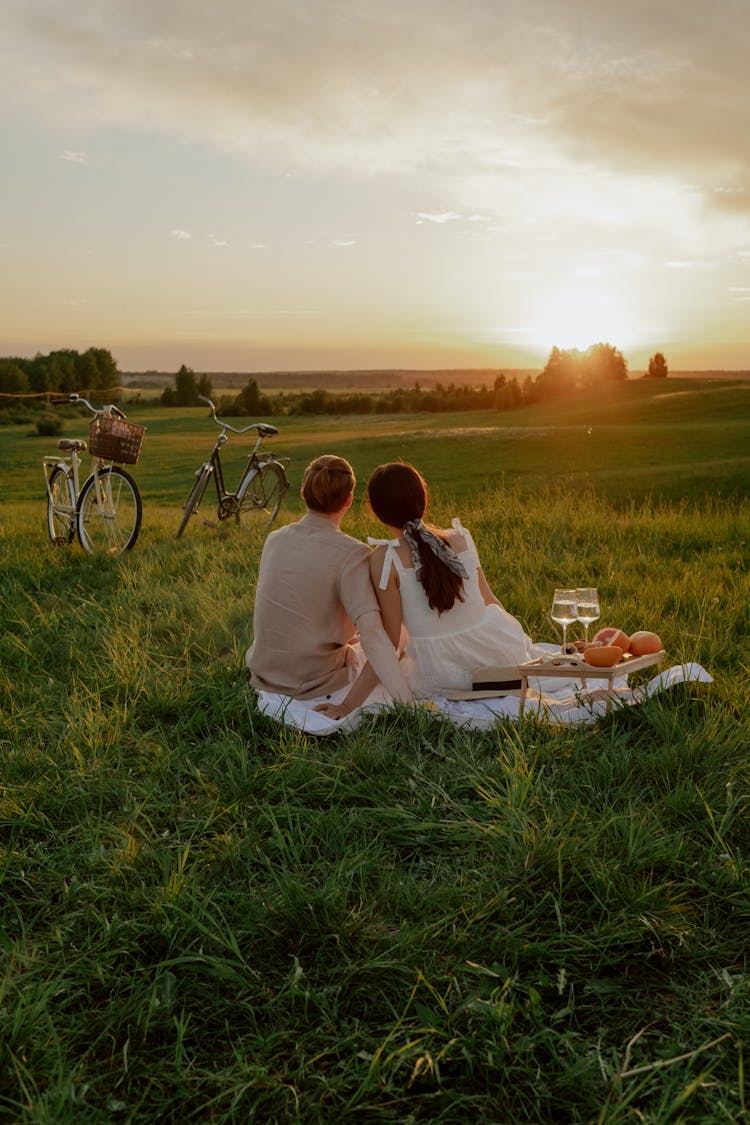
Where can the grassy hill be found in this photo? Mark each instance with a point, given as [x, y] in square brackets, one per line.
[206, 918]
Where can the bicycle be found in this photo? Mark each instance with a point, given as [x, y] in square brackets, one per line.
[106, 511]
[262, 486]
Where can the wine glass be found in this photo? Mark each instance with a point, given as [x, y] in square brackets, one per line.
[564, 611]
[587, 600]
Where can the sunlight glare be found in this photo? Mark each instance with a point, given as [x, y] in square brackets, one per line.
[577, 320]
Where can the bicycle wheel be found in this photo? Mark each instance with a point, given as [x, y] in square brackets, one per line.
[260, 499]
[109, 516]
[61, 524]
[194, 499]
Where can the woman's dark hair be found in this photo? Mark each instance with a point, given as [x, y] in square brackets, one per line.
[327, 484]
[397, 494]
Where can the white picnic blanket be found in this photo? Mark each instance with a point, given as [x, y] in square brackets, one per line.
[554, 701]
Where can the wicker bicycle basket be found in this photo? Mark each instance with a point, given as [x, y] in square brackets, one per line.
[115, 440]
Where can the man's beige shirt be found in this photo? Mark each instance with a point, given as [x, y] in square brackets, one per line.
[313, 586]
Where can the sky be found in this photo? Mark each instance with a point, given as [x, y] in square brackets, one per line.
[311, 184]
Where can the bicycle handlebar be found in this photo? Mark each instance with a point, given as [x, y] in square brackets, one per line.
[262, 428]
[74, 397]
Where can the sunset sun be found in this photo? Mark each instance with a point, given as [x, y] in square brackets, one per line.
[577, 320]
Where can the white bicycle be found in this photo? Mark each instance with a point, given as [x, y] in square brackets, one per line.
[105, 512]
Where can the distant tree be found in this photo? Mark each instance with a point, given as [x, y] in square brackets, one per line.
[561, 374]
[60, 371]
[317, 401]
[13, 379]
[185, 387]
[87, 372]
[205, 387]
[37, 374]
[657, 367]
[507, 393]
[603, 363]
[248, 400]
[499, 387]
[105, 366]
[251, 402]
[515, 394]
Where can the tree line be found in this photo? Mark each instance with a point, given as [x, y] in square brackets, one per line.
[63, 371]
[252, 401]
[565, 372]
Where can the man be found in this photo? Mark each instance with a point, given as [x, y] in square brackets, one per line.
[314, 592]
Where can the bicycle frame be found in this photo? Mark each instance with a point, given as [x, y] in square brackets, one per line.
[214, 466]
[71, 466]
[62, 505]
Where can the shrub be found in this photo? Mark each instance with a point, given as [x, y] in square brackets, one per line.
[48, 426]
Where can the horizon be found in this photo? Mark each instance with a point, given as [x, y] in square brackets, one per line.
[376, 187]
[636, 373]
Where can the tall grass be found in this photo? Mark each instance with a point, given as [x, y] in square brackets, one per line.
[206, 918]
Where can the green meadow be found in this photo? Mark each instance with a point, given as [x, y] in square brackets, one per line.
[681, 439]
[207, 918]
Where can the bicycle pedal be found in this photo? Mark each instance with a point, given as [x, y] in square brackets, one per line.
[210, 523]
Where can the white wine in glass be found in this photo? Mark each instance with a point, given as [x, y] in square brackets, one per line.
[587, 600]
[564, 611]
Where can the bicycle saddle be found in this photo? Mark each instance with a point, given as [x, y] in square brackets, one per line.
[71, 443]
[265, 430]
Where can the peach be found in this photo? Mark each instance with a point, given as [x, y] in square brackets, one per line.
[643, 642]
[602, 656]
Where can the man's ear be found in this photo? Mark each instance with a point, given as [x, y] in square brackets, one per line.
[349, 501]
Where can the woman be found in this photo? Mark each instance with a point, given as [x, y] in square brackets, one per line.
[313, 594]
[434, 598]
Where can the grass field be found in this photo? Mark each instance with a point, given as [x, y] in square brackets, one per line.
[208, 919]
[682, 439]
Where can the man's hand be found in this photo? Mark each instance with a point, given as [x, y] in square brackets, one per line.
[333, 710]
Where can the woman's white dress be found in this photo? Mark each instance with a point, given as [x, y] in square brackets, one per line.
[442, 650]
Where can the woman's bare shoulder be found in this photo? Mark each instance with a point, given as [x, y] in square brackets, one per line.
[377, 556]
[456, 538]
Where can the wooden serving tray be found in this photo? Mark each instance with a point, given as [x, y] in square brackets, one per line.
[571, 666]
[514, 679]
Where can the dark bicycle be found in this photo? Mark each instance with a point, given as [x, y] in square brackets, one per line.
[262, 486]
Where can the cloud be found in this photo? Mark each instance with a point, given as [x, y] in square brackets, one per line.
[441, 217]
[484, 89]
[73, 157]
[180, 235]
[437, 217]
